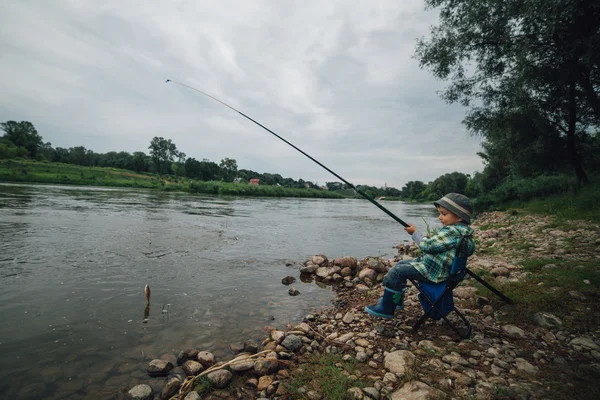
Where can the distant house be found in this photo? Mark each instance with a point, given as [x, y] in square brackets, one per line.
[237, 180]
[307, 185]
[253, 181]
[324, 187]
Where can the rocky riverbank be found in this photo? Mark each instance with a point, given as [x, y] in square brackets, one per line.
[544, 346]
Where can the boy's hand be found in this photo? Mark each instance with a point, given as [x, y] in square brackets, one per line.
[410, 229]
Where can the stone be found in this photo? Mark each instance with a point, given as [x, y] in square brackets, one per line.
[546, 320]
[500, 271]
[345, 337]
[242, 366]
[292, 342]
[584, 342]
[464, 292]
[220, 378]
[141, 392]
[192, 396]
[251, 383]
[235, 348]
[514, 331]
[523, 365]
[250, 346]
[361, 356]
[368, 273]
[372, 393]
[308, 269]
[319, 259]
[415, 390]
[191, 367]
[288, 280]
[277, 336]
[390, 378]
[362, 288]
[293, 292]
[159, 367]
[205, 358]
[191, 354]
[346, 262]
[264, 382]
[354, 393]
[399, 361]
[348, 317]
[266, 366]
[324, 272]
[170, 388]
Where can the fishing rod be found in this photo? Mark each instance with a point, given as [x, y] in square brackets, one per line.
[366, 196]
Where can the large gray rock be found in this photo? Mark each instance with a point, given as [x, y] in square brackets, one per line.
[399, 361]
[584, 342]
[140, 392]
[159, 367]
[292, 342]
[416, 390]
[219, 378]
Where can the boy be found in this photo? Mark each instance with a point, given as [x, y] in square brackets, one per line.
[438, 251]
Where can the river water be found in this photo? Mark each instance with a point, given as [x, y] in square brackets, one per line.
[74, 262]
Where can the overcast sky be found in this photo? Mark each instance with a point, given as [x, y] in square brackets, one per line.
[335, 78]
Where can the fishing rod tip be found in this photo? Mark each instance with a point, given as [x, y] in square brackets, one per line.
[168, 80]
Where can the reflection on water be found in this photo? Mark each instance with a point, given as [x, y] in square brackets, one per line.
[74, 263]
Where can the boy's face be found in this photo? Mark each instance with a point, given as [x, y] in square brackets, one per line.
[446, 217]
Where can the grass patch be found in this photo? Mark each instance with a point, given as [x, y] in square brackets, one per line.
[203, 385]
[325, 375]
[522, 246]
[547, 289]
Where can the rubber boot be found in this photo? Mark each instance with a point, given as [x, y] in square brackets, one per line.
[399, 299]
[385, 307]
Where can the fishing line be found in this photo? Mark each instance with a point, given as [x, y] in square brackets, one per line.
[366, 196]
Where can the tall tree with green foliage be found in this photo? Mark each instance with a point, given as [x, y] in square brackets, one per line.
[23, 134]
[163, 152]
[229, 169]
[528, 56]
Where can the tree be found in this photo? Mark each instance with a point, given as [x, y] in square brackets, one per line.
[23, 134]
[521, 55]
[229, 169]
[163, 152]
[139, 161]
[455, 182]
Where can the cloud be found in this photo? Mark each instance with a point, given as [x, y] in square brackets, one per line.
[339, 82]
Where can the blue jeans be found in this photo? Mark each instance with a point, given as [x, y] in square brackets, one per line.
[396, 277]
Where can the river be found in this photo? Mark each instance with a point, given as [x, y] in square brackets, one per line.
[74, 262]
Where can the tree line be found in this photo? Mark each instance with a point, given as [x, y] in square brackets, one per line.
[21, 139]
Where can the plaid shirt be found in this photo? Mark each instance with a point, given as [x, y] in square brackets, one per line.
[438, 252]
